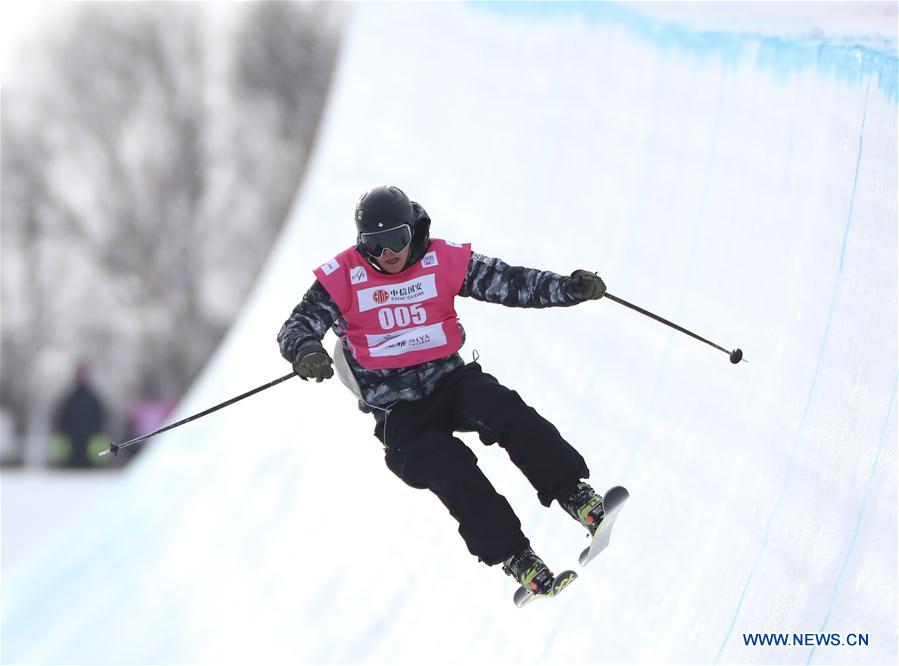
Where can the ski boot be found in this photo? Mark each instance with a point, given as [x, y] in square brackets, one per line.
[585, 506]
[530, 571]
[535, 578]
[596, 513]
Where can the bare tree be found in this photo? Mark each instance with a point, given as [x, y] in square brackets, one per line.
[283, 59]
[25, 285]
[127, 194]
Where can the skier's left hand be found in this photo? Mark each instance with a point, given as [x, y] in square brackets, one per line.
[586, 286]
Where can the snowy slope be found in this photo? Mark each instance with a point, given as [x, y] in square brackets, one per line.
[742, 186]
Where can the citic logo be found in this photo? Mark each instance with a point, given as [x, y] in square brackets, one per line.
[380, 296]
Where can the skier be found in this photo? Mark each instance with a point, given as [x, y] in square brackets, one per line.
[390, 300]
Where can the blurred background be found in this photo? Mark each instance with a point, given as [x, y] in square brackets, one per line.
[171, 172]
[151, 152]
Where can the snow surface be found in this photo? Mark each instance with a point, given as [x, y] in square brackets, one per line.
[741, 185]
[38, 503]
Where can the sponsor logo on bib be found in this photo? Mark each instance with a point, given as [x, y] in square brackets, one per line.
[358, 275]
[430, 259]
[415, 290]
[410, 340]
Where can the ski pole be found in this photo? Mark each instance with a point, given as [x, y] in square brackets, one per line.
[115, 448]
[735, 356]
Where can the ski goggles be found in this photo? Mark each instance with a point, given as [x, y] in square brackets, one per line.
[395, 239]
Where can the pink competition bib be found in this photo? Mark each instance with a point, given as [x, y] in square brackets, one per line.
[398, 320]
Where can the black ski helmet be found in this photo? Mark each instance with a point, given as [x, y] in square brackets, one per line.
[381, 208]
[384, 218]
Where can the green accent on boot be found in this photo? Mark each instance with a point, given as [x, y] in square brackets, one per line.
[530, 574]
[527, 558]
[580, 503]
[584, 511]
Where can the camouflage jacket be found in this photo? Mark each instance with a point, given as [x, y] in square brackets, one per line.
[490, 280]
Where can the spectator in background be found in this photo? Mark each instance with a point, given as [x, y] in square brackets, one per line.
[146, 415]
[78, 424]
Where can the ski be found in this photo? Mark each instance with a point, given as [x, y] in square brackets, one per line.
[612, 502]
[524, 596]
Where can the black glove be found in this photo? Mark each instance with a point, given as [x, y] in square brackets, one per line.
[586, 286]
[313, 362]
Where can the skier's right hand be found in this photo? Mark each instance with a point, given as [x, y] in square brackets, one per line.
[313, 362]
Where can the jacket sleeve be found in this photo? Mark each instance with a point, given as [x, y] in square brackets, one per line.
[311, 318]
[494, 281]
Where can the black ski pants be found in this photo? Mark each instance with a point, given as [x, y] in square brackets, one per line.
[420, 449]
